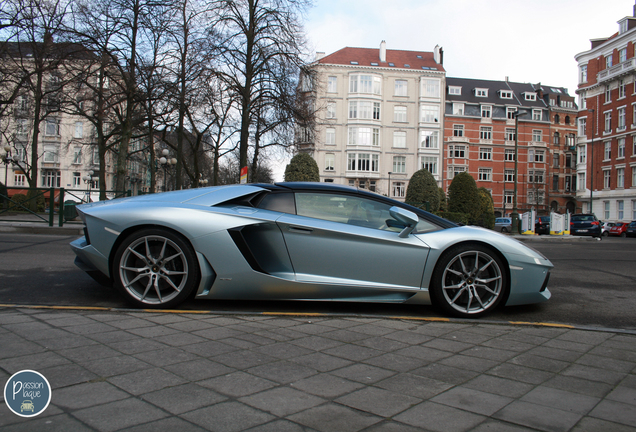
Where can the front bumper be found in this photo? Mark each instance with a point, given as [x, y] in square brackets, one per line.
[91, 261]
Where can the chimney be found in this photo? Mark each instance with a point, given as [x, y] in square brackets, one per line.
[319, 55]
[383, 51]
[436, 54]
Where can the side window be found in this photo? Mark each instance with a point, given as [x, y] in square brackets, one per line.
[279, 202]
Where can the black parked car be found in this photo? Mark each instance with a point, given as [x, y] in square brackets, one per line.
[542, 225]
[631, 229]
[585, 224]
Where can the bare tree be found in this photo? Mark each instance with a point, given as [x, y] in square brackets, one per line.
[254, 37]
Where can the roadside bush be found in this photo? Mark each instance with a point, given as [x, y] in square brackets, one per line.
[463, 196]
[486, 216]
[302, 168]
[423, 188]
[18, 203]
[461, 218]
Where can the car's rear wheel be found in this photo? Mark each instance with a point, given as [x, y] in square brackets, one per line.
[155, 268]
[623, 234]
[504, 230]
[468, 281]
[605, 233]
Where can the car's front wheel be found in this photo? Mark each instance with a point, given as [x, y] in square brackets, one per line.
[469, 281]
[155, 268]
[623, 235]
[605, 233]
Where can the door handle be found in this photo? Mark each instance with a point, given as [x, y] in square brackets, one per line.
[299, 230]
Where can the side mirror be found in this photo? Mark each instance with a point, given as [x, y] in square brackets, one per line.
[406, 217]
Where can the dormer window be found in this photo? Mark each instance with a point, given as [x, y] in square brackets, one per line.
[481, 92]
[354, 62]
[505, 94]
[530, 96]
[622, 26]
[454, 90]
[374, 64]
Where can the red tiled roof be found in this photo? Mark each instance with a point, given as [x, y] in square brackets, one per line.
[366, 56]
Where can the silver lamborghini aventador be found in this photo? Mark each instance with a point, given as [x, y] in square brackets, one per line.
[301, 241]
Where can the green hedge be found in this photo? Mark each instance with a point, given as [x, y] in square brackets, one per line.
[456, 217]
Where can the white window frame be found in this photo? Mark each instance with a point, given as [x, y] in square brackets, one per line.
[429, 113]
[485, 153]
[330, 162]
[400, 114]
[485, 133]
[486, 111]
[481, 92]
[401, 87]
[505, 94]
[537, 114]
[399, 164]
[429, 139]
[330, 136]
[399, 139]
[454, 90]
[430, 163]
[620, 178]
[458, 130]
[485, 174]
[331, 110]
[332, 84]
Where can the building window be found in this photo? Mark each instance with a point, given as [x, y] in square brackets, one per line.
[77, 155]
[539, 156]
[621, 118]
[582, 151]
[620, 208]
[454, 90]
[485, 174]
[555, 160]
[364, 110]
[537, 135]
[79, 130]
[19, 180]
[621, 89]
[509, 197]
[331, 136]
[608, 94]
[458, 130]
[485, 133]
[399, 139]
[365, 84]
[399, 114]
[509, 155]
[505, 94]
[608, 122]
[537, 114]
[581, 181]
[429, 139]
[633, 210]
[530, 96]
[568, 160]
[510, 113]
[535, 176]
[399, 164]
[52, 128]
[458, 108]
[555, 139]
[330, 160]
[430, 88]
[607, 150]
[362, 162]
[485, 153]
[621, 148]
[456, 170]
[509, 175]
[429, 163]
[510, 134]
[606, 209]
[486, 111]
[332, 84]
[583, 74]
[481, 92]
[430, 113]
[364, 136]
[583, 127]
[608, 61]
[620, 177]
[555, 182]
[331, 110]
[399, 189]
[51, 178]
[401, 87]
[457, 151]
[77, 179]
[50, 154]
[606, 179]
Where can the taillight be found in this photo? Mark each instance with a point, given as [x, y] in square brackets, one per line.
[594, 223]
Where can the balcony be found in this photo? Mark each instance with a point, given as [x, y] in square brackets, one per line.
[620, 69]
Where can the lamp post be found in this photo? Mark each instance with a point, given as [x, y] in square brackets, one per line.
[515, 214]
[592, 156]
[165, 162]
[88, 179]
[6, 160]
[202, 182]
[389, 188]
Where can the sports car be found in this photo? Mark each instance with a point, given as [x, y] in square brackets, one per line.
[301, 241]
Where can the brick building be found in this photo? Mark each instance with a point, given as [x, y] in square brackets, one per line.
[606, 144]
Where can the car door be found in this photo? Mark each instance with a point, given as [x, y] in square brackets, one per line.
[344, 240]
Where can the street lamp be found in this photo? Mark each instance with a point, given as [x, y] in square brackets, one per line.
[165, 162]
[88, 179]
[389, 188]
[515, 215]
[6, 160]
[203, 182]
[592, 156]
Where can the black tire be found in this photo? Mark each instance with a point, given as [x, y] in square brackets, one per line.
[623, 235]
[504, 230]
[605, 233]
[155, 268]
[455, 280]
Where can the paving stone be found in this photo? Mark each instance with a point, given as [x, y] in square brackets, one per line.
[131, 323]
[409, 337]
[469, 363]
[413, 385]
[153, 331]
[589, 424]
[499, 386]
[555, 353]
[112, 336]
[378, 401]
[66, 342]
[283, 371]
[184, 398]
[372, 329]
[614, 411]
[492, 425]
[238, 384]
[282, 401]
[346, 336]
[244, 359]
[190, 325]
[538, 417]
[108, 417]
[561, 399]
[49, 333]
[28, 329]
[326, 385]
[16, 346]
[615, 353]
[170, 424]
[365, 374]
[472, 400]
[209, 348]
[396, 362]
[68, 320]
[57, 423]
[321, 362]
[136, 346]
[179, 339]
[579, 385]
[217, 333]
[423, 353]
[594, 374]
[520, 373]
[447, 345]
[439, 418]
[488, 353]
[228, 416]
[88, 353]
[316, 343]
[447, 374]
[200, 369]
[96, 327]
[606, 363]
[353, 352]
[331, 417]
[392, 426]
[88, 394]
[33, 362]
[467, 337]
[146, 380]
[166, 356]
[538, 362]
[65, 375]
[623, 394]
[279, 426]
[283, 350]
[115, 365]
[567, 345]
[586, 337]
[13, 317]
[168, 319]
[382, 343]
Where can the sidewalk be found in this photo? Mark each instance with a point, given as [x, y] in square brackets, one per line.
[157, 371]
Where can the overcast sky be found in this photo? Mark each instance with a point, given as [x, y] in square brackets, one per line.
[524, 40]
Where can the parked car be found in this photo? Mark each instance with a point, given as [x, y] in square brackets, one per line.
[542, 225]
[631, 229]
[585, 224]
[503, 224]
[301, 241]
[606, 227]
[619, 229]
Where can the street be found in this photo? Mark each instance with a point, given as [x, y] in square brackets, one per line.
[593, 284]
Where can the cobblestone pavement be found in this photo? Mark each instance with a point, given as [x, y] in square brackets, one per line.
[147, 371]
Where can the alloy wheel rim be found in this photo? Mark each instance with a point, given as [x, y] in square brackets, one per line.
[153, 269]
